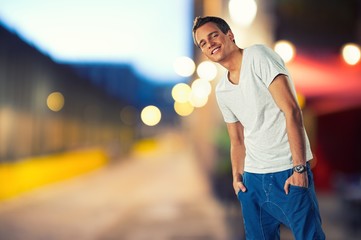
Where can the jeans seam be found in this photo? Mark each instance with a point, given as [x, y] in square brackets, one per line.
[313, 209]
[283, 212]
[260, 221]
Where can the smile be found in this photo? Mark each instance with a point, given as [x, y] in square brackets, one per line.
[215, 50]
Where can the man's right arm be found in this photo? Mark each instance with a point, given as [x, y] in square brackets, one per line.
[238, 153]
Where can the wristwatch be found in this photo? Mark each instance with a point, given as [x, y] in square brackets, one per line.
[299, 168]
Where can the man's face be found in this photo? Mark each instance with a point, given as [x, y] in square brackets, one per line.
[213, 42]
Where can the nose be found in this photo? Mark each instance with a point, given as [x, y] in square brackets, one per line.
[210, 44]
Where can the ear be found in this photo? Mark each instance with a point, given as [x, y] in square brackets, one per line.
[230, 35]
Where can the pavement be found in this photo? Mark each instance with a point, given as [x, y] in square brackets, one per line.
[153, 195]
[161, 194]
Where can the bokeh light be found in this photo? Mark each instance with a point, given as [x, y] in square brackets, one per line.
[181, 92]
[351, 53]
[184, 66]
[55, 101]
[242, 12]
[201, 88]
[285, 49]
[198, 101]
[183, 109]
[128, 115]
[207, 70]
[151, 115]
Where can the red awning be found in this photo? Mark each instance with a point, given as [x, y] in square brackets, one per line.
[327, 82]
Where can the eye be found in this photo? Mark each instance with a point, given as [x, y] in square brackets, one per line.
[214, 35]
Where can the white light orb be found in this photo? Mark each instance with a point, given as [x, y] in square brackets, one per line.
[207, 70]
[285, 49]
[181, 92]
[151, 115]
[242, 12]
[201, 88]
[198, 101]
[351, 53]
[184, 66]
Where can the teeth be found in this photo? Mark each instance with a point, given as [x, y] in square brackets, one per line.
[215, 50]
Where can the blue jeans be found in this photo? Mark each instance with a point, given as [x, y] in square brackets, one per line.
[265, 206]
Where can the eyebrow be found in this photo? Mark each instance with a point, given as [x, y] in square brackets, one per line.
[201, 41]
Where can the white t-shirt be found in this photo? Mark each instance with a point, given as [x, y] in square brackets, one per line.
[251, 103]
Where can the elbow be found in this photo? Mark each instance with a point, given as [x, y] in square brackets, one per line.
[295, 113]
[237, 144]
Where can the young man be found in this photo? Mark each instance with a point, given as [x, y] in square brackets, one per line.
[269, 146]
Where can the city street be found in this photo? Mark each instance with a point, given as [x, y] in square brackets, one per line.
[157, 194]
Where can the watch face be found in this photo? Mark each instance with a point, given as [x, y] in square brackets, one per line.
[299, 168]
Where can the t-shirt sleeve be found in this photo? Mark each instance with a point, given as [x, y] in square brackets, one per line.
[268, 64]
[227, 114]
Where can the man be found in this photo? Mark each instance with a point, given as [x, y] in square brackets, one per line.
[269, 146]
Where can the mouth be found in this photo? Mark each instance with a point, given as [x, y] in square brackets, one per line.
[215, 50]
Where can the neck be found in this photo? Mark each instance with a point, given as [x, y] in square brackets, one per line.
[234, 60]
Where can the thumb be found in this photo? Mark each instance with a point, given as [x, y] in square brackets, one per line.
[242, 187]
[286, 187]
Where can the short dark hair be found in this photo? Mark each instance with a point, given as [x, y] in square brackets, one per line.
[200, 21]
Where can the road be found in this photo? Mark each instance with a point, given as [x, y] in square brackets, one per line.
[158, 194]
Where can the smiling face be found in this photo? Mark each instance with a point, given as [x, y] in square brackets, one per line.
[213, 42]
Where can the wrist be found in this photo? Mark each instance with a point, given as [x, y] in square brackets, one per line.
[238, 177]
[300, 168]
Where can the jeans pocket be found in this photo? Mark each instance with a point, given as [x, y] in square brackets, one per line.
[244, 178]
[244, 181]
[238, 195]
[297, 189]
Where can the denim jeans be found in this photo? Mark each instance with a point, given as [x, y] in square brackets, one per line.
[265, 206]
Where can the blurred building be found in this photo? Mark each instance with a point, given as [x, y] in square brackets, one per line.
[85, 115]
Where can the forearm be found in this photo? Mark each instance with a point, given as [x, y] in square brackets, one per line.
[238, 154]
[296, 137]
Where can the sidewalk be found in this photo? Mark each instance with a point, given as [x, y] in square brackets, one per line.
[160, 195]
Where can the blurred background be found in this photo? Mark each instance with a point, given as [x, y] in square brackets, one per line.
[109, 128]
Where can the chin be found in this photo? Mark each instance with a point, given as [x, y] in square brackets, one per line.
[215, 59]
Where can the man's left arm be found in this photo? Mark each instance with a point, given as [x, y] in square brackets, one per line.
[286, 101]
